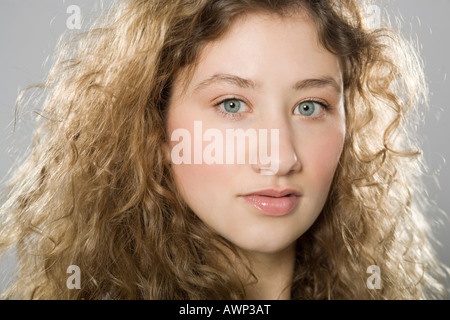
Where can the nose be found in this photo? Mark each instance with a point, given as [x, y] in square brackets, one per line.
[283, 159]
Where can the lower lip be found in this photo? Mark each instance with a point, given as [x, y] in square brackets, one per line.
[270, 206]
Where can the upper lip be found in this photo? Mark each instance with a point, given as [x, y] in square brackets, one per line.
[275, 193]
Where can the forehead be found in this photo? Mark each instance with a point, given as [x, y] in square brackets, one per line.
[267, 47]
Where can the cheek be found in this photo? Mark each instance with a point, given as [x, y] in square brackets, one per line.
[200, 175]
[202, 185]
[321, 158]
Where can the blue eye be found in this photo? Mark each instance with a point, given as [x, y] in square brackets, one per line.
[233, 106]
[309, 108]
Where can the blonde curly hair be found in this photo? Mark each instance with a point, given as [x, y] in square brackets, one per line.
[97, 191]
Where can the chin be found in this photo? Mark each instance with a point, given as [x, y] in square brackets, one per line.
[267, 246]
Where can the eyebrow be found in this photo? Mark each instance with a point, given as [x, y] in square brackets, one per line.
[237, 81]
[318, 83]
[226, 78]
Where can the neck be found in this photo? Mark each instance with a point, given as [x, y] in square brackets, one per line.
[274, 273]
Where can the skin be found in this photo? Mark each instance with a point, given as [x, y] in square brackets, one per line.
[274, 53]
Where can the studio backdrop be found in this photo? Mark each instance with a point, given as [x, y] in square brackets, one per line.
[30, 29]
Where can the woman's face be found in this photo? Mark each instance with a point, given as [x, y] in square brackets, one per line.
[269, 73]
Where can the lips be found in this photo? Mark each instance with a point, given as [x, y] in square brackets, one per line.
[273, 202]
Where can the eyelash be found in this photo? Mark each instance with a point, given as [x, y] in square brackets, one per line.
[237, 116]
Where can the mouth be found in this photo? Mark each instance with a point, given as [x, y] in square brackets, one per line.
[273, 202]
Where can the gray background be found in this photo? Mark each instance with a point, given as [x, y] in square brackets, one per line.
[29, 31]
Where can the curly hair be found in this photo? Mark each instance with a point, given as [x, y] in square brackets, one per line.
[97, 191]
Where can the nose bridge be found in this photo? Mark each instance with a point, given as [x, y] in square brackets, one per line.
[284, 157]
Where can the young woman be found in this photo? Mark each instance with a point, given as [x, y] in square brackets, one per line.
[134, 174]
